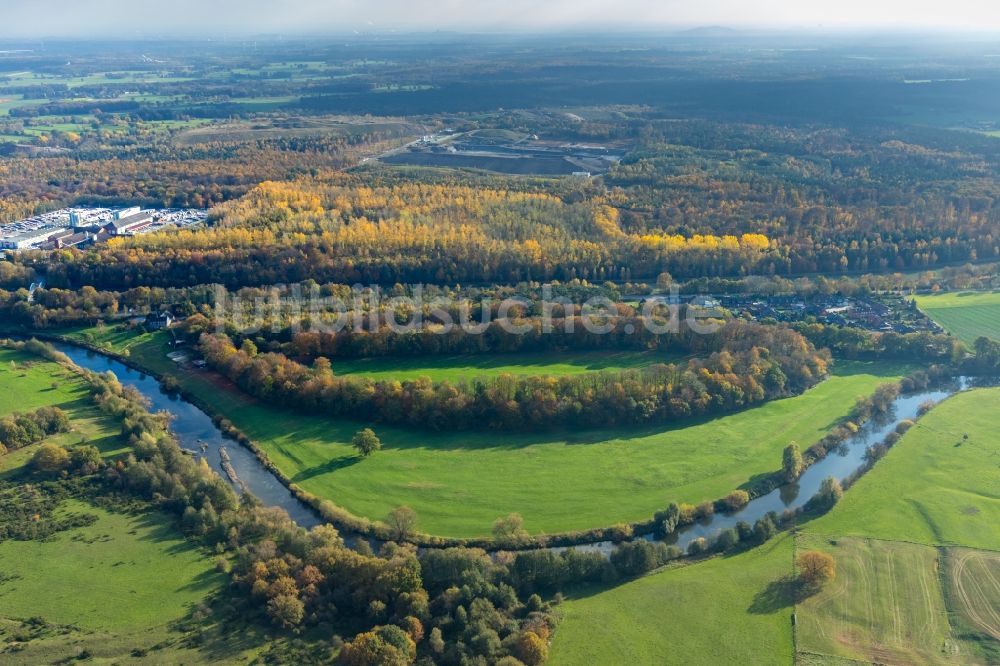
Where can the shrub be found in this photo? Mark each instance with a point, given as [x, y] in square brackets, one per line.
[736, 500]
[50, 459]
[727, 540]
[698, 546]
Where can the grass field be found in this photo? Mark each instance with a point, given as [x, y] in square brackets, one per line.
[886, 605]
[27, 383]
[114, 338]
[729, 610]
[465, 367]
[967, 315]
[910, 588]
[557, 481]
[110, 593]
[934, 487]
[151, 574]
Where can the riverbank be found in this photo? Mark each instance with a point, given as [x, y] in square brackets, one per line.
[603, 538]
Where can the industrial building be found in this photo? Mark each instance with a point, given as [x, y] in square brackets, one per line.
[83, 226]
[131, 223]
[27, 238]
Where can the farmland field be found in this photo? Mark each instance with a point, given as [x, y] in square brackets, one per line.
[616, 475]
[972, 579]
[967, 315]
[885, 606]
[728, 610]
[901, 603]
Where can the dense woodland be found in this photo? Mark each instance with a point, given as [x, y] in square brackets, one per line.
[695, 199]
[160, 173]
[404, 233]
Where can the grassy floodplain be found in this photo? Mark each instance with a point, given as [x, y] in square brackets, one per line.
[456, 368]
[935, 487]
[110, 589]
[969, 315]
[724, 611]
[922, 593]
[917, 546]
[115, 585]
[27, 383]
[558, 481]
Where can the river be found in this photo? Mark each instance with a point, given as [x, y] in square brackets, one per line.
[196, 432]
[840, 463]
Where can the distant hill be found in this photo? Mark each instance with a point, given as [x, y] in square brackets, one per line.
[710, 31]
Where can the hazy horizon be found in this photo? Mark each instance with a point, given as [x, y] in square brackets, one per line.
[30, 19]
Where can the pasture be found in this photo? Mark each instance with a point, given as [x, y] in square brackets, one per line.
[727, 610]
[967, 315]
[559, 481]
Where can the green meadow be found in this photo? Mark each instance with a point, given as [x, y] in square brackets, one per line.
[111, 593]
[456, 368]
[27, 383]
[121, 573]
[968, 315]
[111, 589]
[559, 481]
[119, 339]
[940, 485]
[727, 610]
[910, 587]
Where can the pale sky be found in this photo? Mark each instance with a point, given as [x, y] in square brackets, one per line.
[36, 18]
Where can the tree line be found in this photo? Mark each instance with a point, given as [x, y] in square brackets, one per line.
[18, 430]
[750, 364]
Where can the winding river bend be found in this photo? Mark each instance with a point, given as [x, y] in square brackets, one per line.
[196, 432]
[840, 463]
